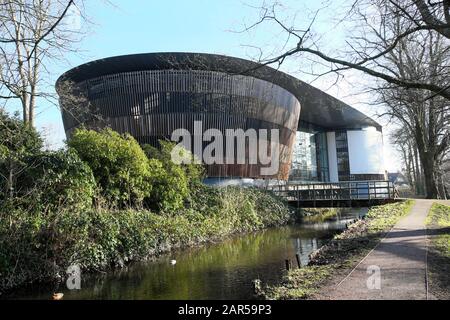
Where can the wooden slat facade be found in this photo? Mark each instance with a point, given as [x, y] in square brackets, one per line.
[151, 104]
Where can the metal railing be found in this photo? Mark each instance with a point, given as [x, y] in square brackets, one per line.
[346, 190]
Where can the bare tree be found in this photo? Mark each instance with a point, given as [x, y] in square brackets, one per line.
[361, 52]
[445, 175]
[406, 146]
[434, 14]
[425, 122]
[404, 46]
[32, 34]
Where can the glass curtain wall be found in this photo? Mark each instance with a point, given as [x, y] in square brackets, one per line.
[304, 161]
[342, 155]
[322, 157]
[310, 156]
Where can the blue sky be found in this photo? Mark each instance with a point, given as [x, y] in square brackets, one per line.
[136, 26]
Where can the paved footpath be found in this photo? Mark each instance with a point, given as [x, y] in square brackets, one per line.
[400, 260]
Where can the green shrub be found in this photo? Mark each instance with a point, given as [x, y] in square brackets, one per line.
[252, 208]
[58, 179]
[39, 180]
[204, 199]
[17, 136]
[120, 167]
[194, 172]
[171, 189]
[47, 221]
[17, 141]
[36, 246]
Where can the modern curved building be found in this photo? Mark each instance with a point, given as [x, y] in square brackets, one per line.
[319, 138]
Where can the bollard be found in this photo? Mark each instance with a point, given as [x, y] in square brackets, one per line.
[299, 263]
[256, 286]
[288, 264]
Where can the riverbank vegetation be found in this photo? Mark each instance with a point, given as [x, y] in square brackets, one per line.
[438, 224]
[105, 201]
[340, 254]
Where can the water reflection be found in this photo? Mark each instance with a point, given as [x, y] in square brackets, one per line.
[216, 271]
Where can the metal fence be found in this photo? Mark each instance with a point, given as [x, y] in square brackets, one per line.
[347, 190]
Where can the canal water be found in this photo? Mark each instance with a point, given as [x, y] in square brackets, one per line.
[216, 271]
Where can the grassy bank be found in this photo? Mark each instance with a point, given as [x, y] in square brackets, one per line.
[438, 224]
[37, 247]
[341, 253]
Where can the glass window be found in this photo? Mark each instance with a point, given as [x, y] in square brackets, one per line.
[304, 162]
[342, 155]
[322, 156]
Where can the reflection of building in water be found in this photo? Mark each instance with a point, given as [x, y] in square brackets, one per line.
[304, 247]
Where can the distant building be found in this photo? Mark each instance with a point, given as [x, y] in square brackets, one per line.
[151, 95]
[398, 179]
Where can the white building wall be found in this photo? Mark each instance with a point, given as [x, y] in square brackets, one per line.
[332, 158]
[365, 150]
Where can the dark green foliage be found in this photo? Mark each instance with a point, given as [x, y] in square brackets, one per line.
[120, 167]
[170, 186]
[194, 172]
[33, 179]
[48, 221]
[204, 199]
[58, 179]
[35, 246]
[17, 136]
[174, 187]
[17, 141]
[126, 176]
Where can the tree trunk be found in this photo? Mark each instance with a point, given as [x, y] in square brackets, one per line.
[10, 183]
[429, 168]
[418, 174]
